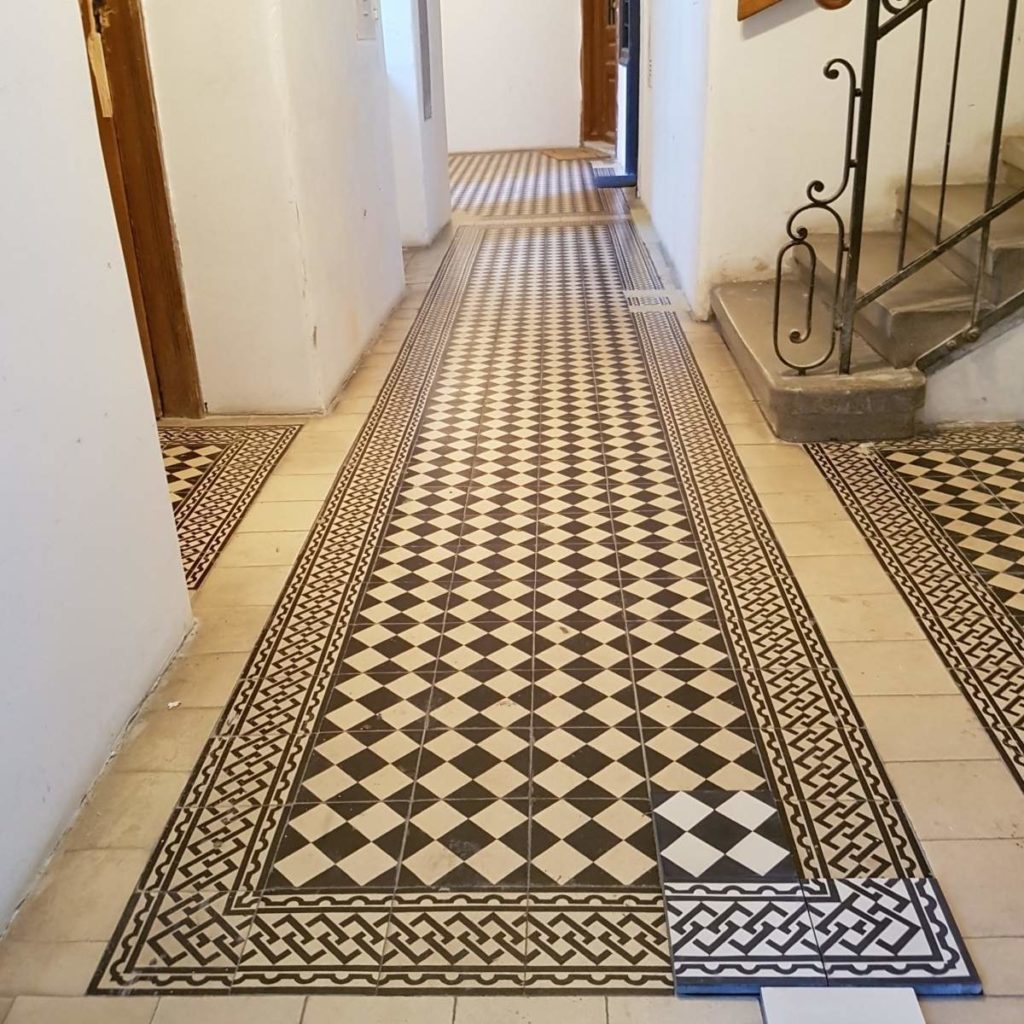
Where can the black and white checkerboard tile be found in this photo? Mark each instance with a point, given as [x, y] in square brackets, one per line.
[528, 184]
[213, 476]
[541, 602]
[945, 515]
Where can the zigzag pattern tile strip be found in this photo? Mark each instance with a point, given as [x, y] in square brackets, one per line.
[945, 515]
[540, 597]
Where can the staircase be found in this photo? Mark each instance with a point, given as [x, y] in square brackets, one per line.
[893, 335]
[841, 345]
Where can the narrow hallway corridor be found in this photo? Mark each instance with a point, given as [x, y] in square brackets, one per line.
[548, 703]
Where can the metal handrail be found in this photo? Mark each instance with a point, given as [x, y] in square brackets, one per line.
[882, 18]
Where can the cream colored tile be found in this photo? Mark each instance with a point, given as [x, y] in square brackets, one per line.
[734, 392]
[237, 586]
[533, 1010]
[925, 729]
[864, 617]
[840, 574]
[310, 463]
[274, 516]
[973, 1011]
[379, 1010]
[200, 681]
[355, 405]
[338, 421]
[229, 1010]
[711, 357]
[669, 1010]
[390, 345]
[801, 507]
[1000, 963]
[828, 538]
[48, 968]
[741, 415]
[80, 897]
[788, 480]
[981, 879]
[379, 361]
[303, 487]
[329, 442]
[126, 810]
[900, 668]
[249, 549]
[744, 433]
[166, 740]
[757, 455]
[228, 630]
[960, 799]
[5, 1008]
[84, 1010]
[363, 384]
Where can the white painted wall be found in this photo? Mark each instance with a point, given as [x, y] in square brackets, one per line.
[512, 73]
[673, 109]
[91, 582]
[343, 167]
[274, 122]
[983, 387]
[420, 144]
[771, 122]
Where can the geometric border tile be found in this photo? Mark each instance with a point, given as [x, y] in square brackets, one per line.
[910, 499]
[211, 494]
[667, 465]
[734, 938]
[889, 932]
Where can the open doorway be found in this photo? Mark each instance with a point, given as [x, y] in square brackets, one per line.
[126, 112]
[627, 104]
[600, 70]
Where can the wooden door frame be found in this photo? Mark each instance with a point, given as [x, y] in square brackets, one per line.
[587, 68]
[126, 109]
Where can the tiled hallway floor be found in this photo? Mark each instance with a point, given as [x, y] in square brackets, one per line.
[566, 576]
[213, 476]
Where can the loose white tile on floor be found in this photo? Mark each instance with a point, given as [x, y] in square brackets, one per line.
[841, 1006]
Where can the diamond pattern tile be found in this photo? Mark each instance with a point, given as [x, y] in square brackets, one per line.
[213, 475]
[541, 707]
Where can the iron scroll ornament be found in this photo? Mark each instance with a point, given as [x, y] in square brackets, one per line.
[798, 236]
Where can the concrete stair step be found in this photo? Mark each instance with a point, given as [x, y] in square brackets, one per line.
[1013, 159]
[876, 401]
[911, 318]
[1004, 266]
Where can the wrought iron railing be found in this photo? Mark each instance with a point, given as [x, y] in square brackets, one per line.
[884, 17]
